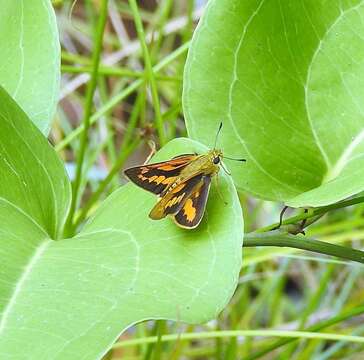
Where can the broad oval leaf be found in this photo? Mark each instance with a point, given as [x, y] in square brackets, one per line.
[33, 179]
[30, 58]
[79, 294]
[286, 78]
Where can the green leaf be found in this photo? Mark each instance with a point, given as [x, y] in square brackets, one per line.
[287, 79]
[77, 295]
[33, 180]
[30, 57]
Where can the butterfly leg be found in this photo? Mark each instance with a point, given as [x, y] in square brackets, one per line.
[153, 150]
[225, 170]
[219, 191]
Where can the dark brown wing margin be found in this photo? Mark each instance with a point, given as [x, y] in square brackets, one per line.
[158, 176]
[191, 213]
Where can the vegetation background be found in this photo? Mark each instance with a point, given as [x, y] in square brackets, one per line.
[289, 304]
[278, 289]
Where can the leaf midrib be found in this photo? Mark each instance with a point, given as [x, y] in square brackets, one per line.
[41, 248]
[44, 169]
[333, 170]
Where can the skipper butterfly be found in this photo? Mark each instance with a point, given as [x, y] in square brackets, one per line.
[182, 184]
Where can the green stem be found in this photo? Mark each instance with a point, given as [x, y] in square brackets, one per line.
[314, 212]
[108, 123]
[113, 71]
[149, 71]
[122, 95]
[290, 336]
[162, 15]
[300, 242]
[126, 149]
[161, 329]
[133, 119]
[248, 333]
[87, 112]
[317, 327]
[105, 182]
[74, 58]
[103, 70]
[312, 305]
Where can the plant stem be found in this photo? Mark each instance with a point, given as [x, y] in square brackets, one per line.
[317, 327]
[122, 95]
[74, 58]
[124, 154]
[114, 71]
[125, 149]
[103, 70]
[290, 336]
[87, 112]
[149, 71]
[314, 212]
[293, 335]
[300, 242]
[312, 305]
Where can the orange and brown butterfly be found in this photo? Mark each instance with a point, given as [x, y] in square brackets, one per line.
[182, 184]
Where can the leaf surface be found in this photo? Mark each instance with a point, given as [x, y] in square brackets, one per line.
[286, 78]
[79, 294]
[30, 58]
[33, 179]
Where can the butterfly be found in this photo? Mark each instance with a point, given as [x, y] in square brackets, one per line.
[182, 184]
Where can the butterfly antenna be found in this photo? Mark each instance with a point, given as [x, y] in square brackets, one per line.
[217, 135]
[234, 159]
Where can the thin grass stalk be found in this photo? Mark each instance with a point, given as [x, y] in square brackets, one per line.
[317, 327]
[119, 97]
[149, 71]
[87, 113]
[104, 183]
[291, 335]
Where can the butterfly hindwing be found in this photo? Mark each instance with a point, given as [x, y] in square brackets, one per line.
[191, 213]
[158, 176]
[174, 199]
[180, 194]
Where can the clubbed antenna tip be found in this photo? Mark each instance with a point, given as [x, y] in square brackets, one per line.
[229, 158]
[217, 134]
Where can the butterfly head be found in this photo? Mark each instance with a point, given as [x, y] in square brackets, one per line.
[216, 156]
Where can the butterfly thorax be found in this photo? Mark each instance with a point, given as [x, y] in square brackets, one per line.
[205, 164]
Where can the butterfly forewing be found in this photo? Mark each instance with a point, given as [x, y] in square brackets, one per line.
[158, 176]
[179, 195]
[191, 213]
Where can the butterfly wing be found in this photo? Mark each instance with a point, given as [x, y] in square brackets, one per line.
[158, 176]
[191, 212]
[173, 200]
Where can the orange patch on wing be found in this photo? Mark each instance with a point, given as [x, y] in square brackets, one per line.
[159, 179]
[174, 200]
[167, 167]
[189, 210]
[153, 178]
[179, 187]
[168, 180]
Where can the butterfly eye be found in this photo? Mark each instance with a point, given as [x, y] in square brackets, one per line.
[216, 160]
